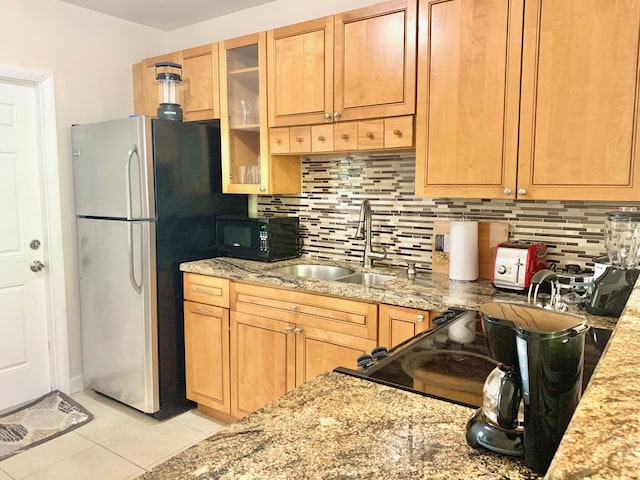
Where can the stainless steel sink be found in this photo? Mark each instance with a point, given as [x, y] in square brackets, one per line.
[319, 272]
[366, 278]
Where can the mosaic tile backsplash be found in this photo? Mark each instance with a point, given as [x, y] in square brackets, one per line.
[333, 188]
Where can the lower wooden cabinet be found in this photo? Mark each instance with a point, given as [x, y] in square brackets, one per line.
[318, 351]
[206, 337]
[247, 345]
[262, 361]
[271, 357]
[397, 324]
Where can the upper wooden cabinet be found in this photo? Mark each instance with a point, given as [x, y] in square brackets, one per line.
[355, 65]
[247, 166]
[567, 130]
[199, 91]
[145, 90]
[579, 125]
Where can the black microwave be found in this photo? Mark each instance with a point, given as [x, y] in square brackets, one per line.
[266, 239]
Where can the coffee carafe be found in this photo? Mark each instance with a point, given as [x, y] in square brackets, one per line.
[613, 287]
[528, 400]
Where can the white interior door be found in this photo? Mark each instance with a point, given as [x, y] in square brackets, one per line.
[24, 354]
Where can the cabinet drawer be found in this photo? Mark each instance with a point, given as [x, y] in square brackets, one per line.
[398, 132]
[345, 136]
[300, 139]
[335, 314]
[279, 140]
[205, 289]
[370, 134]
[322, 138]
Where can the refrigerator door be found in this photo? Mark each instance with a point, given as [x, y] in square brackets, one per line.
[118, 307]
[113, 169]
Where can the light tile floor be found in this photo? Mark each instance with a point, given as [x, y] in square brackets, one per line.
[119, 443]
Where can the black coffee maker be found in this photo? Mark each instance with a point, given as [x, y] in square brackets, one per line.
[529, 399]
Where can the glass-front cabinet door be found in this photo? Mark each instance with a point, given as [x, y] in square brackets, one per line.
[244, 156]
[247, 166]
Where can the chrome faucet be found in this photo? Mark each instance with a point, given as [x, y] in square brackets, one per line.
[364, 233]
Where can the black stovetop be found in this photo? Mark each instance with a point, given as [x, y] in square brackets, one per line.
[450, 361]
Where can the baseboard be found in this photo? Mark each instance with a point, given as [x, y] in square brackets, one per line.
[77, 384]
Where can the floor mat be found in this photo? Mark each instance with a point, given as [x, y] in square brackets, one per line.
[48, 417]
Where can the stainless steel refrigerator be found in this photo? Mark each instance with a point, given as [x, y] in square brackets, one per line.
[147, 193]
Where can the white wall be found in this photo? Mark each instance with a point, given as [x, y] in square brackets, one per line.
[263, 17]
[90, 56]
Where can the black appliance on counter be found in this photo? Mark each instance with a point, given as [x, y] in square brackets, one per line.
[451, 360]
[266, 239]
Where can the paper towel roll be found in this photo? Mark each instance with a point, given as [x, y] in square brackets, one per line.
[463, 261]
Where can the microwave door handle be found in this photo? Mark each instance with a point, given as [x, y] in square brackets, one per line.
[132, 274]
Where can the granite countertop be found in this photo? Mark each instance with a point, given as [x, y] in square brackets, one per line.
[601, 442]
[337, 426]
[427, 291]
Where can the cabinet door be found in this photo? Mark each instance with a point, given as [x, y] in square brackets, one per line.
[206, 336]
[468, 92]
[262, 361]
[397, 324]
[375, 61]
[244, 168]
[201, 91]
[300, 82]
[145, 90]
[579, 119]
[318, 351]
[247, 166]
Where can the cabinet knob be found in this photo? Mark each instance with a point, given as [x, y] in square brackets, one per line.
[278, 141]
[327, 116]
[336, 115]
[288, 330]
[321, 138]
[299, 139]
[397, 133]
[298, 330]
[293, 308]
[262, 189]
[370, 135]
[522, 192]
[420, 318]
[507, 191]
[203, 310]
[344, 136]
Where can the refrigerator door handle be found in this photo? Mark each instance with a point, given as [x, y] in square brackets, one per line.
[133, 151]
[132, 274]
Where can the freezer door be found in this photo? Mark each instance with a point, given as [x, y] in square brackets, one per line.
[113, 169]
[118, 310]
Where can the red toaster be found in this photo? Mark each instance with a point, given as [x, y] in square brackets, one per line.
[514, 263]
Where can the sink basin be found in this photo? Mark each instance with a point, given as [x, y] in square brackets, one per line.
[320, 272]
[366, 278]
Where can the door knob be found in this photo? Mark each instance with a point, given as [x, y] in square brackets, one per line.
[507, 191]
[36, 266]
[522, 192]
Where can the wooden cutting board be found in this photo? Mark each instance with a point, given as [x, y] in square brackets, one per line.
[490, 234]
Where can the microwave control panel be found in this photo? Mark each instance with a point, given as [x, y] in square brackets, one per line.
[264, 241]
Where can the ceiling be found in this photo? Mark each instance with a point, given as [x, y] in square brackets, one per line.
[167, 14]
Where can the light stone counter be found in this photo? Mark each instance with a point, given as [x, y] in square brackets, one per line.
[338, 427]
[602, 441]
[428, 291]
